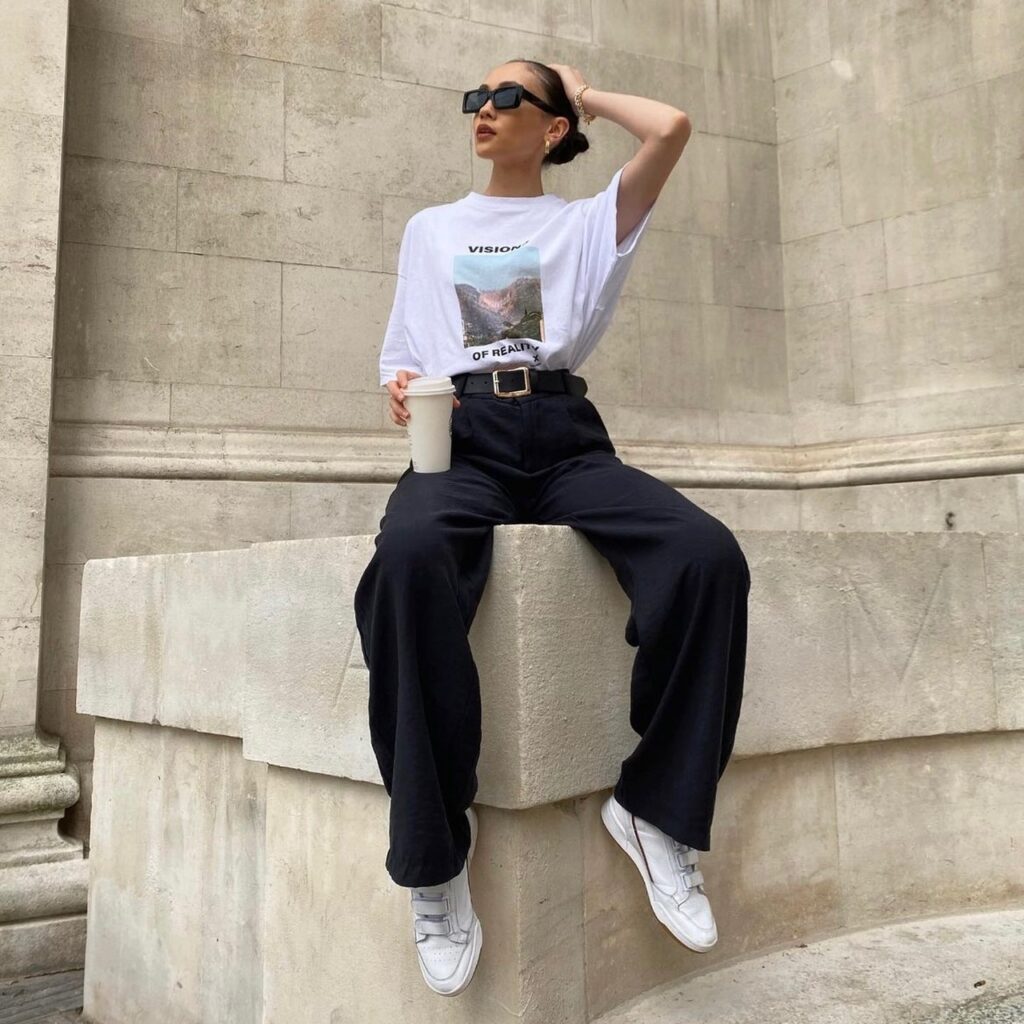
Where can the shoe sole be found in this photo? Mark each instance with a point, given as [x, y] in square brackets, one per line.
[476, 937]
[613, 828]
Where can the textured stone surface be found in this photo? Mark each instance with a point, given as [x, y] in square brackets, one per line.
[853, 637]
[156, 102]
[176, 877]
[97, 518]
[206, 319]
[41, 998]
[965, 856]
[42, 918]
[213, 150]
[234, 879]
[43, 945]
[962, 969]
[162, 640]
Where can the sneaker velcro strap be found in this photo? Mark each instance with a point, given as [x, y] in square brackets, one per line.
[424, 926]
[425, 906]
[691, 879]
[688, 856]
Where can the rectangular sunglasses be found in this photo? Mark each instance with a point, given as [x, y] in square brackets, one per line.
[505, 98]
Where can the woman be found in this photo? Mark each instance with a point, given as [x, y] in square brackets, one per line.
[508, 291]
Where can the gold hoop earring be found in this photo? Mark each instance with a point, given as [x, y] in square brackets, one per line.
[547, 146]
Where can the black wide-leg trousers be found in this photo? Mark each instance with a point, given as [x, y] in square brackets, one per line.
[545, 458]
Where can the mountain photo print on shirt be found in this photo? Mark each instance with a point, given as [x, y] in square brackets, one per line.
[499, 295]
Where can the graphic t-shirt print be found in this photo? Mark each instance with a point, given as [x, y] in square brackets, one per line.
[499, 294]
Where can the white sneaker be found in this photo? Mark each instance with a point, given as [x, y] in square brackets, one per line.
[446, 929]
[669, 870]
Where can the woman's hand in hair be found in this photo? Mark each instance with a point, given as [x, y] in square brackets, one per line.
[572, 78]
[396, 388]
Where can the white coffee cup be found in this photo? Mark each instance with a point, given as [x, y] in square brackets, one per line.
[429, 401]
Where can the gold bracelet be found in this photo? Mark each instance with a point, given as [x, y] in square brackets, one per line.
[577, 101]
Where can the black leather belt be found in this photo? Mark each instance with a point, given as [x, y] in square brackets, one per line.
[522, 380]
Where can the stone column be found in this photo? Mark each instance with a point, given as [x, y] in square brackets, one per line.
[43, 880]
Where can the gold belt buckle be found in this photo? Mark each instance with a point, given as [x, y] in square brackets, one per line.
[525, 370]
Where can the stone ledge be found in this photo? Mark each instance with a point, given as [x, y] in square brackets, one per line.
[111, 450]
[853, 638]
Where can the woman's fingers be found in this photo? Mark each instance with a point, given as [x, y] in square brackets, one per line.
[396, 388]
[398, 411]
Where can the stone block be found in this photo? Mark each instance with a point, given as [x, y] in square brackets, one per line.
[322, 33]
[1006, 105]
[836, 265]
[942, 412]
[896, 630]
[425, 48]
[337, 509]
[35, 37]
[799, 34]
[221, 870]
[751, 178]
[26, 294]
[25, 399]
[139, 314]
[22, 512]
[741, 106]
[809, 174]
[350, 129]
[818, 356]
[954, 240]
[330, 320]
[677, 363]
[1004, 574]
[108, 518]
[942, 166]
[30, 169]
[19, 671]
[280, 222]
[971, 504]
[659, 29]
[156, 102]
[276, 408]
[873, 184]
[176, 874]
[612, 371]
[158, 19]
[747, 274]
[107, 400]
[954, 806]
[749, 348]
[174, 625]
[552, 18]
[952, 336]
[110, 202]
[893, 629]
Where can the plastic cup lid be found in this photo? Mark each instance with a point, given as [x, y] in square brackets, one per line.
[430, 386]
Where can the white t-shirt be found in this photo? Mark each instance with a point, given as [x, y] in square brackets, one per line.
[492, 281]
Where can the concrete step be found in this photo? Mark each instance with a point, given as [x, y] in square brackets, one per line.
[42, 998]
[965, 969]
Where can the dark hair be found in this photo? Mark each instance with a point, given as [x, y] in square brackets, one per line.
[574, 141]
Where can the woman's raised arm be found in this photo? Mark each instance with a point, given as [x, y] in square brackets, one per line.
[663, 129]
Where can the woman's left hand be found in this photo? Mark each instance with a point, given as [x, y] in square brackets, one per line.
[572, 78]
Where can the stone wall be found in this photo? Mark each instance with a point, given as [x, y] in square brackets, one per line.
[821, 330]
[901, 173]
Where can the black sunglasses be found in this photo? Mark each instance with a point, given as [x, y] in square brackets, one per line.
[505, 98]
